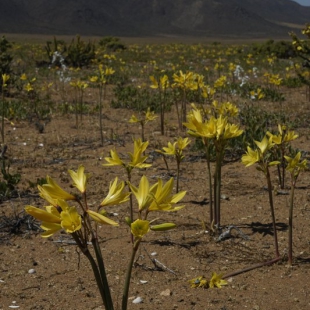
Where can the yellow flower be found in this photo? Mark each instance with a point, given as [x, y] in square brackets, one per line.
[232, 131]
[144, 193]
[250, 158]
[265, 145]
[198, 282]
[114, 160]
[163, 200]
[294, 165]
[183, 143]
[116, 194]
[136, 158]
[150, 115]
[101, 219]
[29, 87]
[216, 281]
[23, 77]
[290, 136]
[198, 128]
[79, 178]
[283, 136]
[139, 228]
[71, 221]
[154, 82]
[52, 191]
[94, 79]
[170, 150]
[44, 216]
[56, 218]
[164, 81]
[109, 71]
[5, 78]
[176, 148]
[134, 119]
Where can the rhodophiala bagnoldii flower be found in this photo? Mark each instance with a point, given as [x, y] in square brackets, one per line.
[55, 218]
[79, 178]
[137, 159]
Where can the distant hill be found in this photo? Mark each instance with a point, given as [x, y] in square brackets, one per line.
[205, 18]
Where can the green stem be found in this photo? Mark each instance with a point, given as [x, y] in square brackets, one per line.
[94, 266]
[130, 200]
[290, 225]
[142, 131]
[106, 287]
[272, 212]
[100, 113]
[2, 121]
[210, 181]
[162, 112]
[128, 275]
[217, 183]
[178, 174]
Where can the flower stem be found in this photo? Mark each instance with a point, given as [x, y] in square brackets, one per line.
[235, 273]
[106, 288]
[272, 213]
[95, 269]
[128, 275]
[3, 113]
[178, 174]
[290, 226]
[209, 181]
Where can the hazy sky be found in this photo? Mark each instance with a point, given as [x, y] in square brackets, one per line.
[303, 2]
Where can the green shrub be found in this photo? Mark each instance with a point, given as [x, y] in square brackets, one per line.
[280, 49]
[5, 58]
[112, 44]
[77, 54]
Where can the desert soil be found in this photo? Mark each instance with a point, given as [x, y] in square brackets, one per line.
[62, 279]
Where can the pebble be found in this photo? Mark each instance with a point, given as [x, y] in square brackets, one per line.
[137, 300]
[14, 306]
[31, 271]
[166, 292]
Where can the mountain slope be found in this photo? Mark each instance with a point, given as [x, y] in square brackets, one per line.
[242, 18]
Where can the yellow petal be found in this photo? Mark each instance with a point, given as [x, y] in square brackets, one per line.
[79, 178]
[52, 191]
[71, 221]
[50, 229]
[100, 218]
[116, 194]
[42, 215]
[139, 228]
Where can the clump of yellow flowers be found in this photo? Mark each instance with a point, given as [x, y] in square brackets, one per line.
[271, 151]
[214, 127]
[72, 214]
[60, 215]
[215, 281]
[79, 220]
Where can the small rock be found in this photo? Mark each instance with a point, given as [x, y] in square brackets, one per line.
[137, 300]
[166, 292]
[14, 306]
[31, 271]
[143, 281]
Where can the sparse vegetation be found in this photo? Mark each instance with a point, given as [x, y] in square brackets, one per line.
[233, 101]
